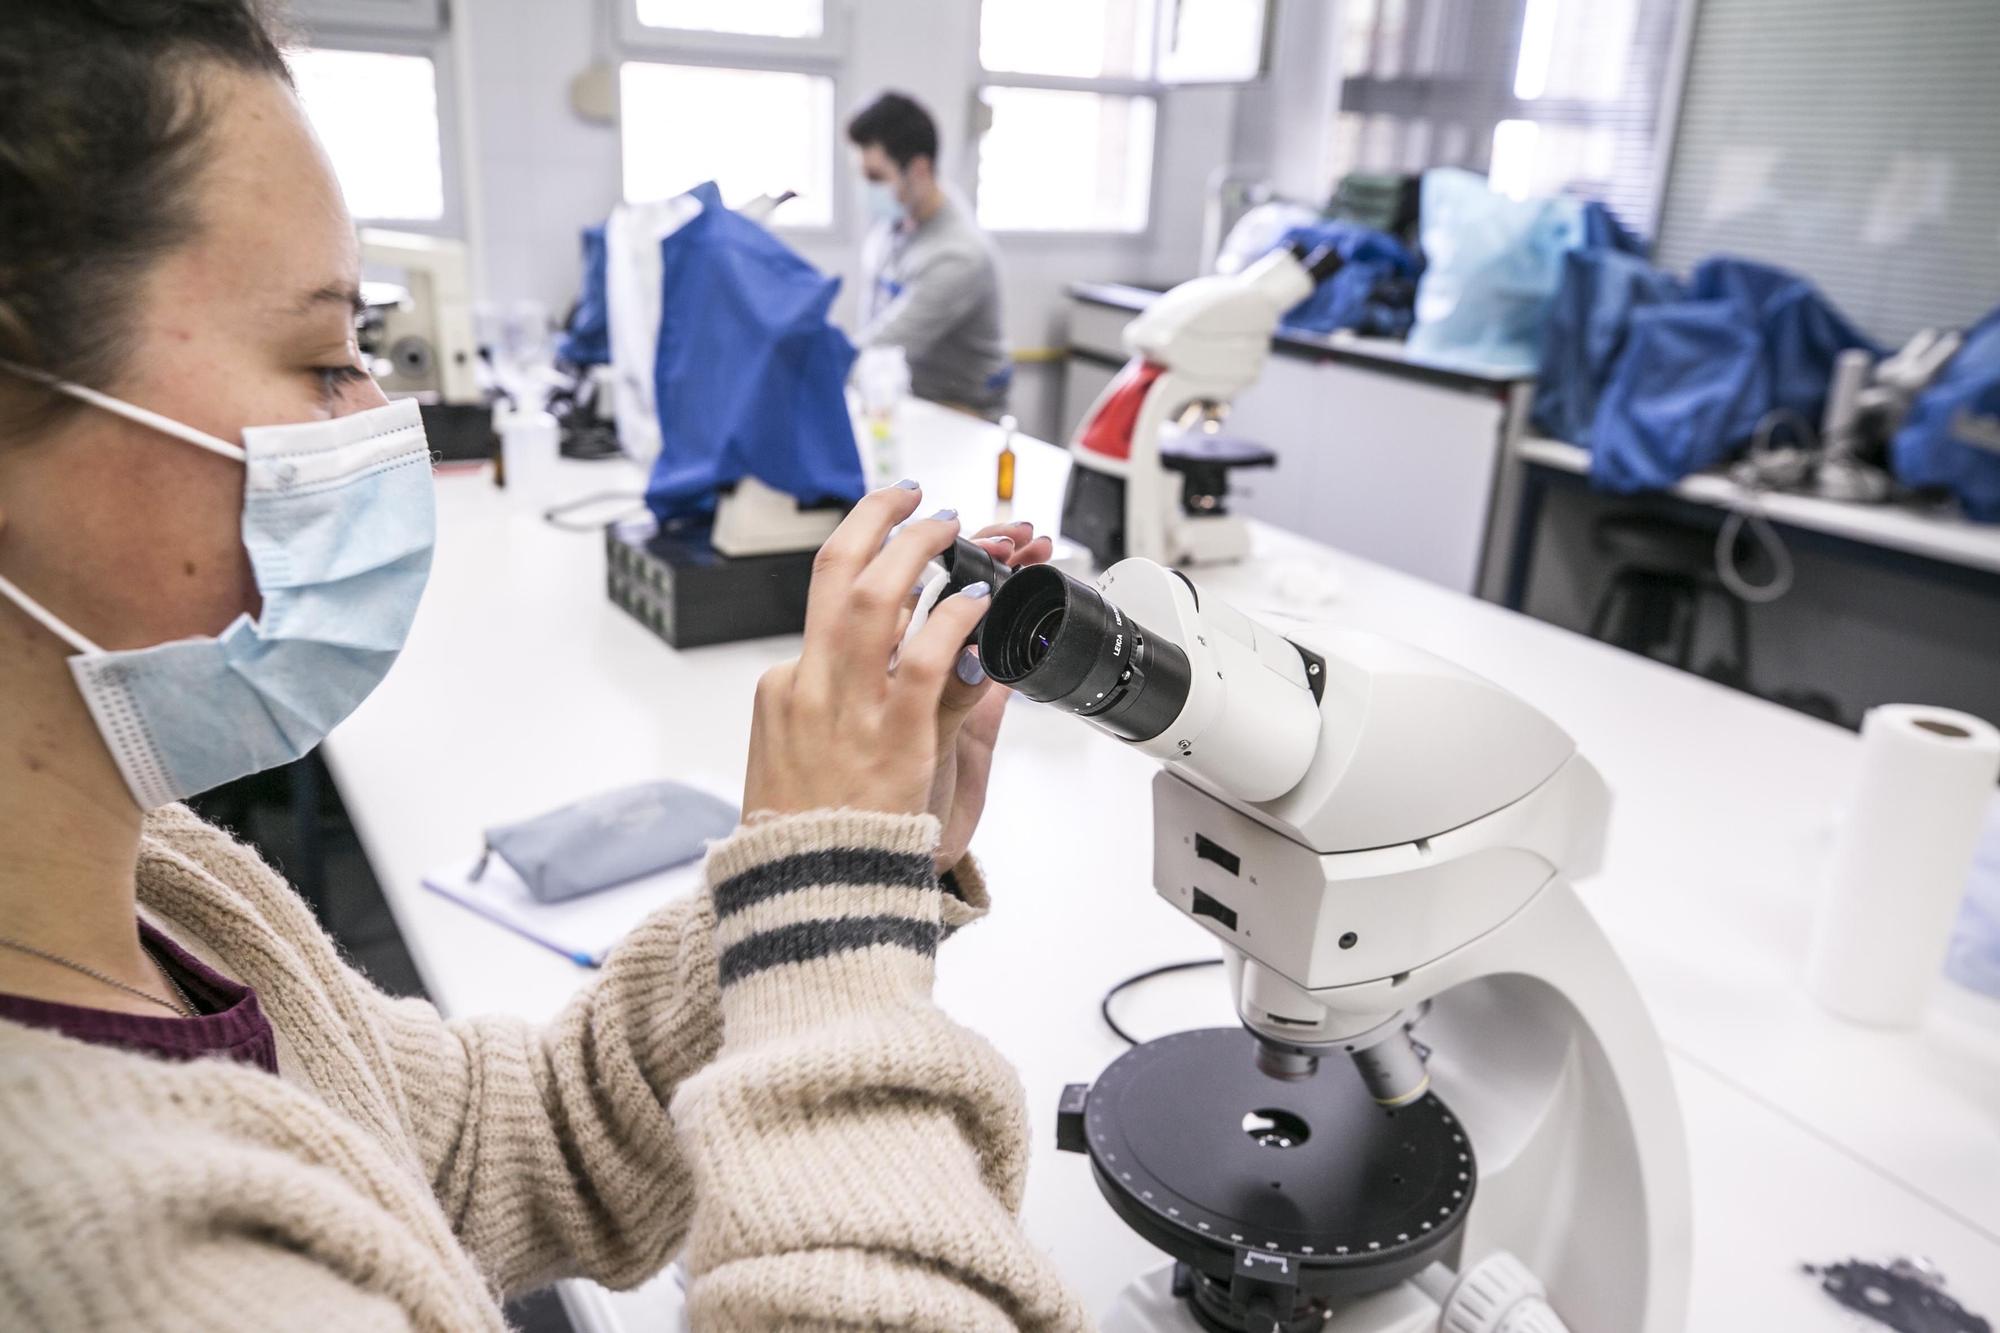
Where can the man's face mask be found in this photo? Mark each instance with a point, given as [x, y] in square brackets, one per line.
[883, 205]
[338, 518]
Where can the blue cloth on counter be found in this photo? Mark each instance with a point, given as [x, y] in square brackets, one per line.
[1689, 384]
[1951, 438]
[587, 340]
[750, 376]
[1492, 267]
[1586, 333]
[1803, 333]
[1372, 290]
[1660, 381]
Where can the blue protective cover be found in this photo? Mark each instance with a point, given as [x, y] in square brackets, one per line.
[587, 340]
[1688, 386]
[1952, 436]
[1586, 333]
[750, 377]
[1695, 375]
[1372, 290]
[1492, 266]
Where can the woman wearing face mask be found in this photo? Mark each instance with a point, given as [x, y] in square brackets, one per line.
[214, 532]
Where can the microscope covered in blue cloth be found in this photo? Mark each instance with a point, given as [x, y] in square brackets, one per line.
[730, 380]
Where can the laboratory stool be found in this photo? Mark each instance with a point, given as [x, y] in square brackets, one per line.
[1663, 577]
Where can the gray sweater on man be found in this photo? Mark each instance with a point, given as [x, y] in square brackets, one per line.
[933, 289]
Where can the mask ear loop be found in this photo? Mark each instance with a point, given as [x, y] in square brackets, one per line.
[119, 407]
[47, 619]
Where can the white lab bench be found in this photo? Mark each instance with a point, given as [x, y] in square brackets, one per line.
[522, 687]
[1379, 453]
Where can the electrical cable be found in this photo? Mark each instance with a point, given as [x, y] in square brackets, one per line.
[632, 501]
[1765, 464]
[1104, 1006]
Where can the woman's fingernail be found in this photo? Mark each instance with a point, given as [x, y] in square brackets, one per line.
[1008, 542]
[906, 485]
[969, 669]
[945, 515]
[976, 590]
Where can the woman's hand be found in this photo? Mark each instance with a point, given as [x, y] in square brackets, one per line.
[969, 713]
[837, 728]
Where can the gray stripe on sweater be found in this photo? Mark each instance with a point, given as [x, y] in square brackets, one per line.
[804, 941]
[832, 865]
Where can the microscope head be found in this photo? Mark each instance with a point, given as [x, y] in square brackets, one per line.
[1338, 810]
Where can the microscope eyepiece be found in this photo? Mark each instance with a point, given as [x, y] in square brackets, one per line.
[1057, 640]
[966, 564]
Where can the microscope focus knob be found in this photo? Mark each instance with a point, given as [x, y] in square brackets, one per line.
[1499, 1295]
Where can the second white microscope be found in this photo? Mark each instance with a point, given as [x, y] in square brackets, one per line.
[1447, 1108]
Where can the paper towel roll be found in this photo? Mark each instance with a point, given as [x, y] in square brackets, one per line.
[1899, 861]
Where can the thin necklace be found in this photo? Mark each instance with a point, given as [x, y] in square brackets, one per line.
[184, 1009]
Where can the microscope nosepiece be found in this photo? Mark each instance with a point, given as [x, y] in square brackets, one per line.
[1289, 1066]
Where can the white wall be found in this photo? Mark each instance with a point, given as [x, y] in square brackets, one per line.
[540, 174]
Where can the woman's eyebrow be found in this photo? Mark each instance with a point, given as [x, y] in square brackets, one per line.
[341, 293]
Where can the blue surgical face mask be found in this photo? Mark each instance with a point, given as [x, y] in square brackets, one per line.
[338, 518]
[882, 202]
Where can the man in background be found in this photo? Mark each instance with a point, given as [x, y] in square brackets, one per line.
[932, 281]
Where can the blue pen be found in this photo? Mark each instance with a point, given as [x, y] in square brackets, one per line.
[478, 908]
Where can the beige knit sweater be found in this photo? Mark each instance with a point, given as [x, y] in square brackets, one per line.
[758, 1075]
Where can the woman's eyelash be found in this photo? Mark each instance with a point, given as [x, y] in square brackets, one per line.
[333, 377]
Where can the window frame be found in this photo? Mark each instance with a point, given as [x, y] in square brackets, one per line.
[824, 56]
[435, 47]
[733, 50]
[374, 16]
[1152, 86]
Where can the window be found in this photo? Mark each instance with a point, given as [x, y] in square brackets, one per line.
[1076, 39]
[741, 128]
[377, 114]
[1071, 96]
[1546, 96]
[1053, 160]
[760, 18]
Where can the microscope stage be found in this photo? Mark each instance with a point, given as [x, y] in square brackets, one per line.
[1232, 1171]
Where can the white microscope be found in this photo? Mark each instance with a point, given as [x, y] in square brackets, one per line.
[1384, 844]
[1150, 474]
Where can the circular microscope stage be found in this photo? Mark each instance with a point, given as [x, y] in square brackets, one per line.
[1283, 1198]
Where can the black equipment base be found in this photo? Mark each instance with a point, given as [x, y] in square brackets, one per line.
[1282, 1199]
[677, 585]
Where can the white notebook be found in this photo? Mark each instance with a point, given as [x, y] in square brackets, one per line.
[582, 929]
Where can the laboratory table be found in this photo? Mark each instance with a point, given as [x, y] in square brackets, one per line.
[1810, 1140]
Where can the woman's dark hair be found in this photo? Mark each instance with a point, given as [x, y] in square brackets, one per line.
[101, 125]
[899, 125]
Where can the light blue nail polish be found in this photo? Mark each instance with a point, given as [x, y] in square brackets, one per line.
[969, 669]
[976, 590]
[906, 485]
[945, 515]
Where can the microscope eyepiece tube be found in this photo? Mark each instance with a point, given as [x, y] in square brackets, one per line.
[966, 564]
[1058, 640]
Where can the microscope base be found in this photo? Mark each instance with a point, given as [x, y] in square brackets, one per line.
[681, 588]
[1150, 1305]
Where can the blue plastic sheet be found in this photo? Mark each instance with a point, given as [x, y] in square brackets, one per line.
[1951, 438]
[750, 376]
[1372, 290]
[1492, 266]
[587, 340]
